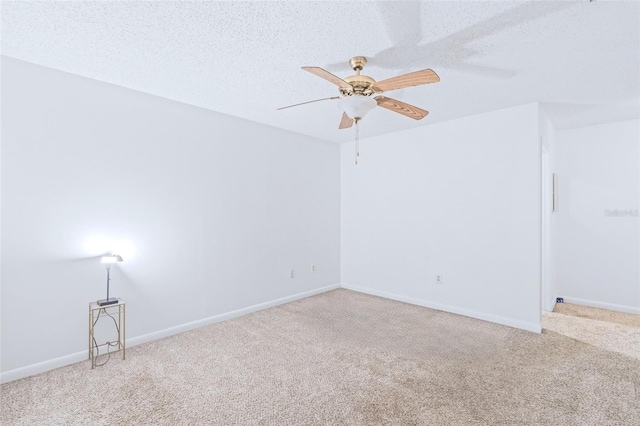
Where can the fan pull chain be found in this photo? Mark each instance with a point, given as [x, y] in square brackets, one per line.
[357, 144]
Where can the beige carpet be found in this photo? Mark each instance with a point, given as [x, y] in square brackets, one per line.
[598, 314]
[609, 330]
[341, 358]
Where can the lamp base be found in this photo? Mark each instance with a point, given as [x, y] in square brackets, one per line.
[109, 301]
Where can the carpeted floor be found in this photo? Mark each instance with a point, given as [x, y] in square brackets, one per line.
[597, 314]
[343, 358]
[613, 331]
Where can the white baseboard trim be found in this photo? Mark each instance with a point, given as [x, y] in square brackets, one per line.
[226, 316]
[603, 305]
[41, 367]
[529, 326]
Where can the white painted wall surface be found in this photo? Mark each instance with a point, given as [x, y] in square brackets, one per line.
[460, 199]
[599, 255]
[208, 211]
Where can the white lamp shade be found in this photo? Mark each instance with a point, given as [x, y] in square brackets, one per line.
[357, 106]
[112, 258]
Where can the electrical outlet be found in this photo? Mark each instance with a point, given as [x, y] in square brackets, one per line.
[292, 273]
[439, 279]
[313, 268]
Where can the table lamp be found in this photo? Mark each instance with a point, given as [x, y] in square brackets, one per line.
[108, 260]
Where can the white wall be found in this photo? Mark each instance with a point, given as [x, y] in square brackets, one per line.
[599, 255]
[460, 199]
[209, 212]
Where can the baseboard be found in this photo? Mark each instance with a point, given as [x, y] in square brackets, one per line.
[41, 367]
[224, 317]
[529, 326]
[603, 305]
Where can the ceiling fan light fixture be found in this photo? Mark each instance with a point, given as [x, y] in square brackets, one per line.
[356, 107]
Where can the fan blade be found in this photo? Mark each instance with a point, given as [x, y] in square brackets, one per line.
[401, 108]
[346, 122]
[407, 80]
[308, 102]
[328, 76]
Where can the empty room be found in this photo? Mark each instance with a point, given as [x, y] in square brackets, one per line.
[320, 213]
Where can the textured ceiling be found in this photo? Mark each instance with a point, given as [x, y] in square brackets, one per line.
[580, 58]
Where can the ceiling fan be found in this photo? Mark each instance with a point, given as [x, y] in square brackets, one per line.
[356, 92]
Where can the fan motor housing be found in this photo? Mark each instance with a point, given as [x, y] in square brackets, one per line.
[361, 85]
